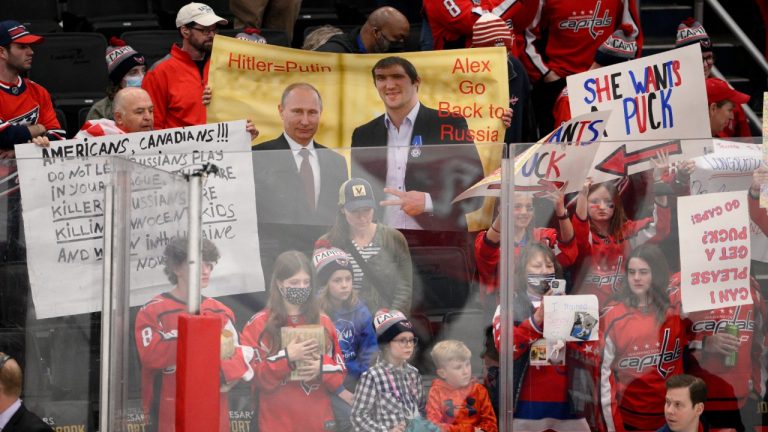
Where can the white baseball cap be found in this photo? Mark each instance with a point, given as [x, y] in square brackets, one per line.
[199, 13]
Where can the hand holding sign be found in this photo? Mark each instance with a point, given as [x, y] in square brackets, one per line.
[759, 178]
[506, 118]
[557, 196]
[412, 202]
[660, 164]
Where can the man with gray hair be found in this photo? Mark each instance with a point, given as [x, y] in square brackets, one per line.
[133, 112]
[14, 416]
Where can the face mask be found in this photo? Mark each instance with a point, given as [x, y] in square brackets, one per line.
[540, 282]
[396, 47]
[134, 81]
[296, 295]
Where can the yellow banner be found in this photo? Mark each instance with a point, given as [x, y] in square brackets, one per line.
[247, 81]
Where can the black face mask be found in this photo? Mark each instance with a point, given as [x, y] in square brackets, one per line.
[540, 282]
[396, 47]
[296, 295]
[384, 45]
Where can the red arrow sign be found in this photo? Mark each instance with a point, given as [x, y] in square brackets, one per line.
[541, 188]
[617, 162]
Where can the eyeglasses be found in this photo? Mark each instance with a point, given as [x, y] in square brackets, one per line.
[597, 202]
[708, 57]
[205, 30]
[406, 341]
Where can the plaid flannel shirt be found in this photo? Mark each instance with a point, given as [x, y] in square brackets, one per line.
[387, 396]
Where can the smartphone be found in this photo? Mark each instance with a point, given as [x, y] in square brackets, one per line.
[557, 286]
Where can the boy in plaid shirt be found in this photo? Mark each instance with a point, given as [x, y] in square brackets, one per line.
[390, 392]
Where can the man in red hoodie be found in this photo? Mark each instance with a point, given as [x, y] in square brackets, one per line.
[176, 82]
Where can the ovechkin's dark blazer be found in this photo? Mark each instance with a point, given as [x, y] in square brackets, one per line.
[433, 167]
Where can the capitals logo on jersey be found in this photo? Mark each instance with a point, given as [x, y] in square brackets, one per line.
[589, 19]
[657, 356]
[28, 118]
[716, 320]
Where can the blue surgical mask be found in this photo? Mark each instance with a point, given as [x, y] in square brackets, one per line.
[134, 81]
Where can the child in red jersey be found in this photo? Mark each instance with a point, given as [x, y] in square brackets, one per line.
[642, 344]
[457, 403]
[304, 404]
[604, 234]
[156, 333]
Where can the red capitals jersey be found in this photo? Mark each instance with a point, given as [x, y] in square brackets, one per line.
[602, 258]
[26, 103]
[728, 386]
[574, 29]
[638, 356]
[286, 405]
[451, 21]
[543, 401]
[156, 333]
[561, 112]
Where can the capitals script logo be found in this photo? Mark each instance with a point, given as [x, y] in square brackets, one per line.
[584, 21]
[714, 324]
[666, 354]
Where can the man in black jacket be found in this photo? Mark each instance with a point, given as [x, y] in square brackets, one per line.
[385, 30]
[14, 416]
[297, 180]
[421, 178]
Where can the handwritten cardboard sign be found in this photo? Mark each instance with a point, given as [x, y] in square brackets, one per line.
[656, 98]
[729, 167]
[557, 159]
[714, 261]
[64, 212]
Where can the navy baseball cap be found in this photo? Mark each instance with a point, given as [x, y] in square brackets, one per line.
[14, 31]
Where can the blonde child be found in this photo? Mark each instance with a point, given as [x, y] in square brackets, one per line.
[391, 391]
[456, 402]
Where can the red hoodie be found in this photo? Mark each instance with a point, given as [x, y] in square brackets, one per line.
[460, 409]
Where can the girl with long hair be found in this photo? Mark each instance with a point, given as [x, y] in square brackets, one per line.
[642, 344]
[302, 403]
[604, 234]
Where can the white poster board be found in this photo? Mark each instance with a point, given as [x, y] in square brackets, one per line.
[571, 318]
[562, 157]
[656, 98]
[714, 261]
[63, 206]
[729, 168]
